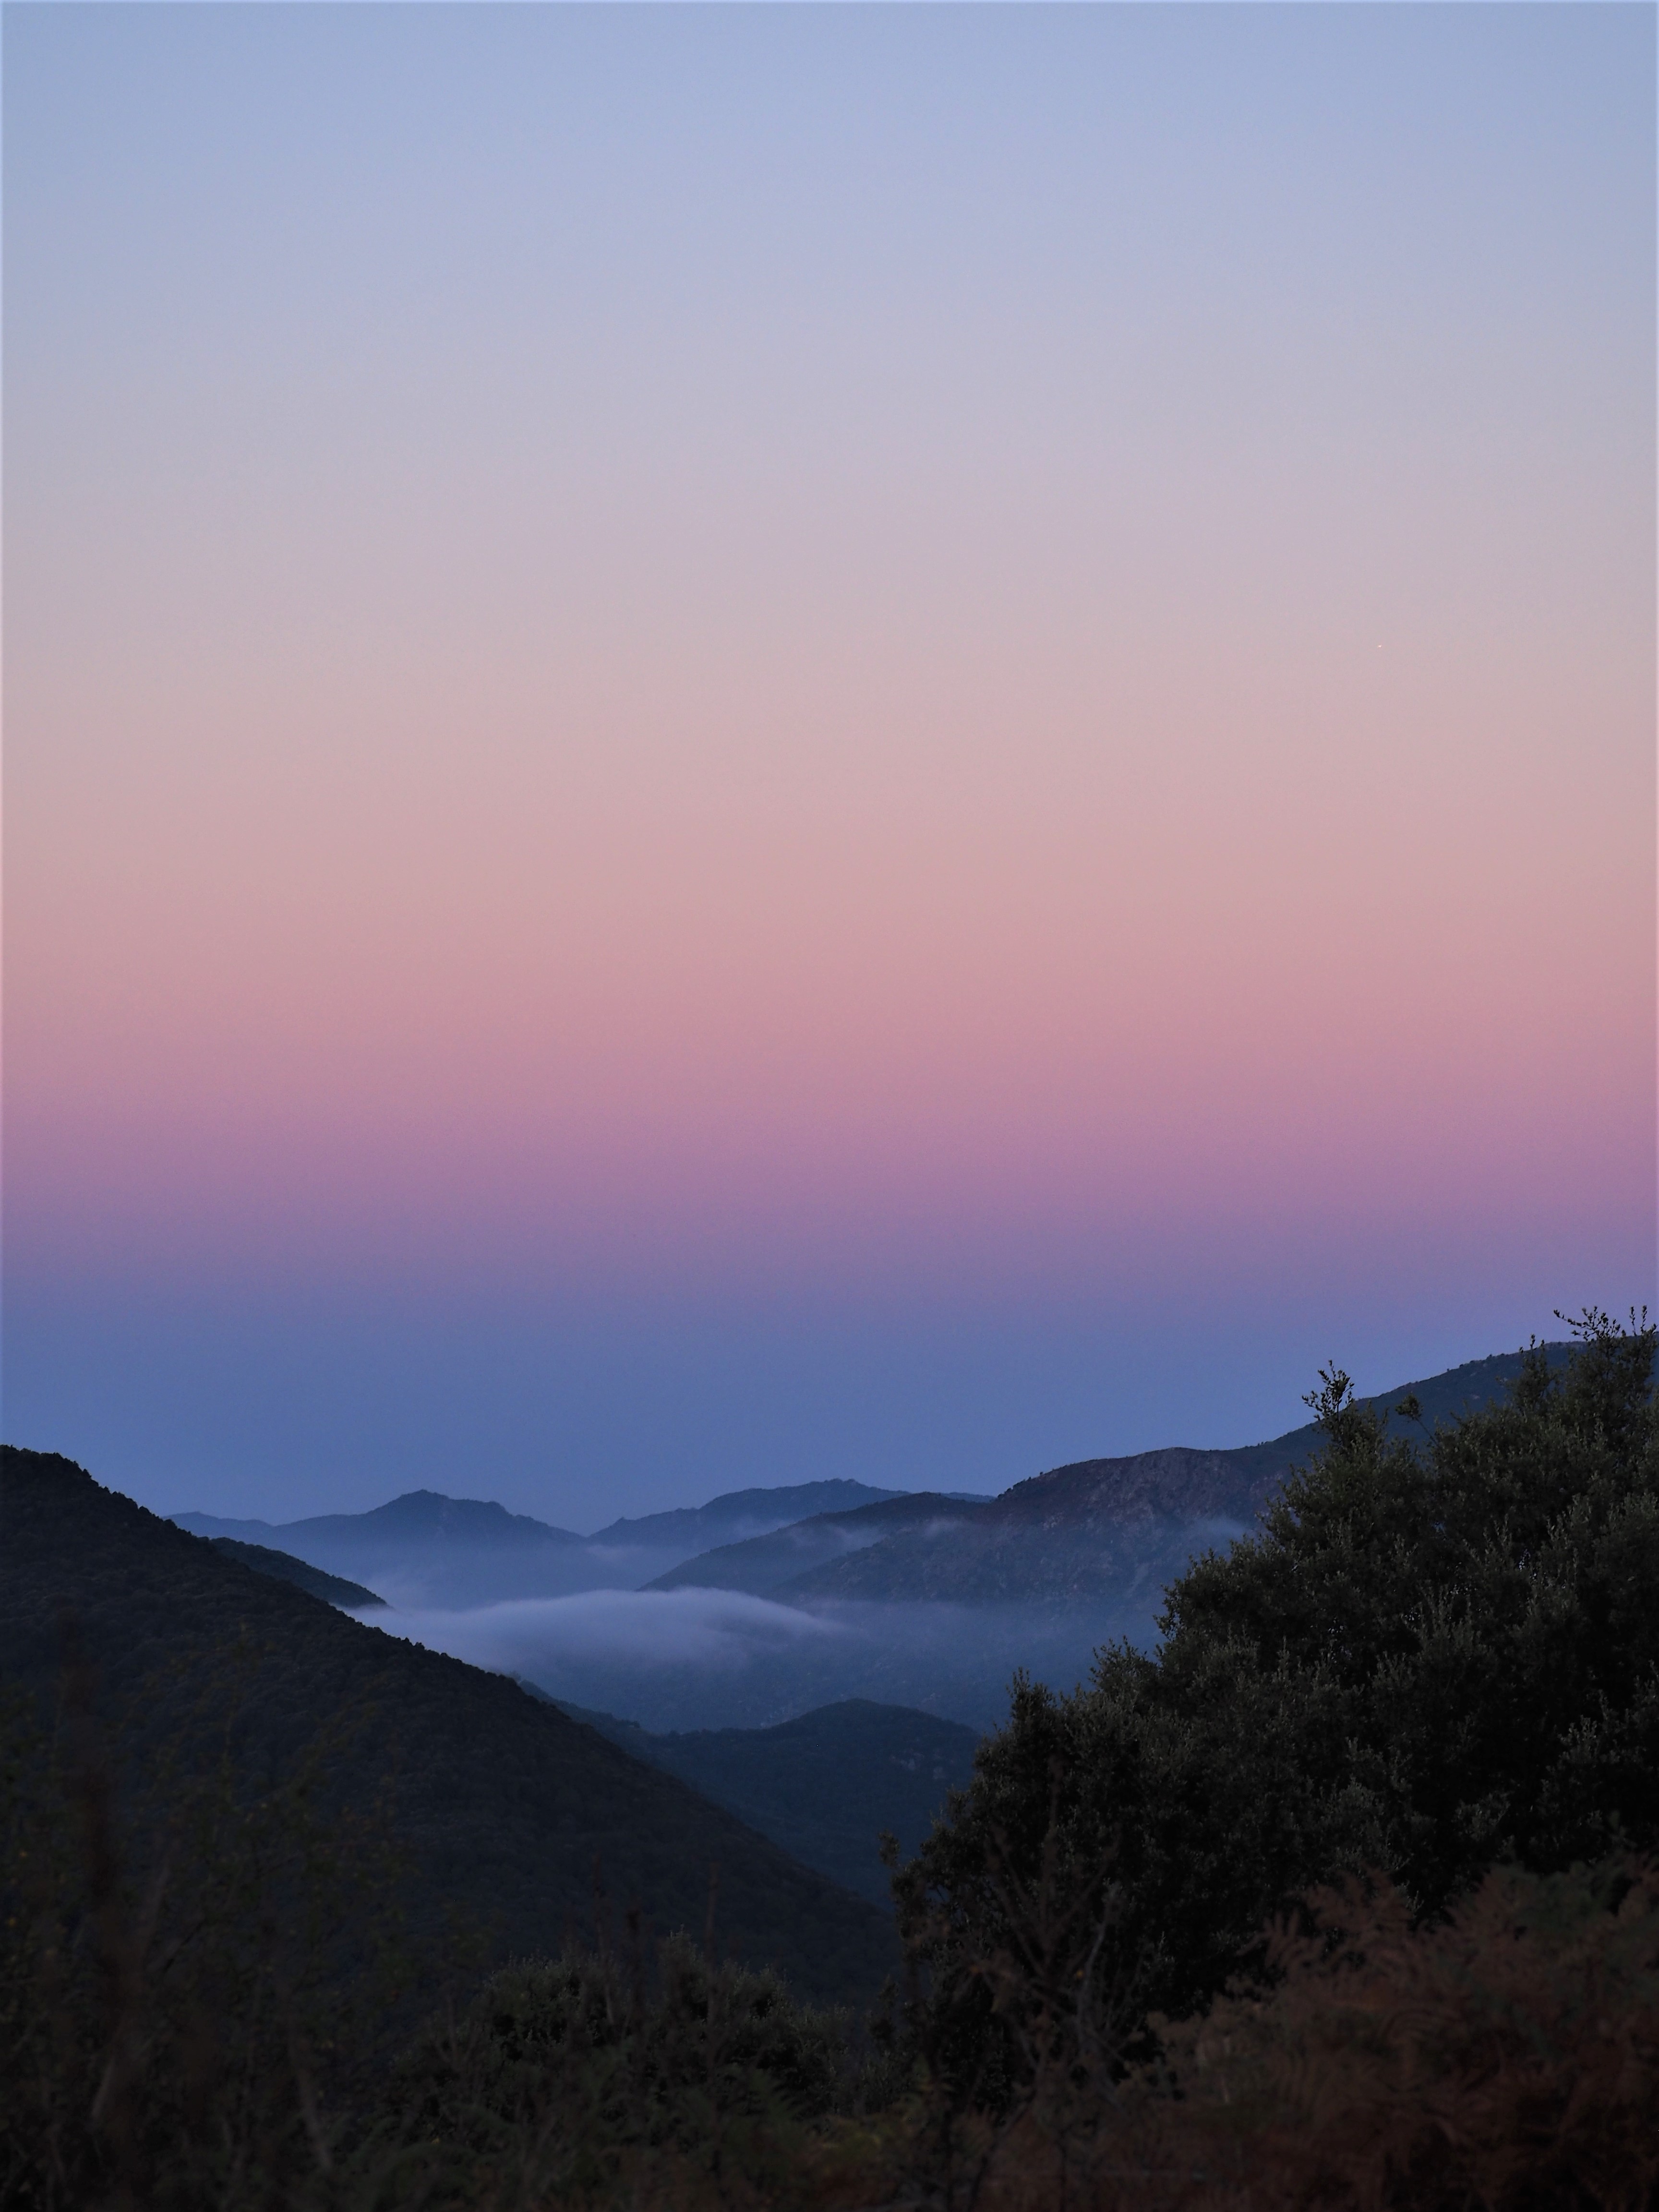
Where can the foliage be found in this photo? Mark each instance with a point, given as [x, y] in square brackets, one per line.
[1505, 2056]
[1432, 1656]
[181, 2034]
[201, 2012]
[604, 2070]
[190, 1979]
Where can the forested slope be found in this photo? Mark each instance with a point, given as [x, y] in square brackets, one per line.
[504, 1806]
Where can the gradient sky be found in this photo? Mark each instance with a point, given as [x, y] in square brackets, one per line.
[745, 743]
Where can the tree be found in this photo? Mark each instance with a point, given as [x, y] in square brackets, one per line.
[1434, 1655]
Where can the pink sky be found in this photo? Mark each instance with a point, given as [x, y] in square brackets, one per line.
[995, 663]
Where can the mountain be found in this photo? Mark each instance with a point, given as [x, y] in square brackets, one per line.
[765, 1564]
[333, 1589]
[504, 1806]
[1098, 1531]
[824, 1786]
[930, 1600]
[737, 1514]
[424, 1549]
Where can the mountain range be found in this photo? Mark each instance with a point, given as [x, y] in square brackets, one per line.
[1070, 1535]
[747, 1707]
[764, 1605]
[425, 1549]
[1098, 1529]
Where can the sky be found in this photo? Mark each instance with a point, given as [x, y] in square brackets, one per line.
[744, 744]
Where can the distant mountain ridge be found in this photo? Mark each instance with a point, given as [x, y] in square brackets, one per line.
[423, 1548]
[424, 1515]
[764, 1564]
[742, 1513]
[1095, 1530]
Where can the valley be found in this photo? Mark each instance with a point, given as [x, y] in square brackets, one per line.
[763, 1605]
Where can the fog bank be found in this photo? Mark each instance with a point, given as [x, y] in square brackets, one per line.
[704, 1658]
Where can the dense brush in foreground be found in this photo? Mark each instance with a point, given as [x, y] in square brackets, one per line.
[1344, 1898]
[1506, 2057]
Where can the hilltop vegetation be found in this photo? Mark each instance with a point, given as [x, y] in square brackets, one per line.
[1429, 1660]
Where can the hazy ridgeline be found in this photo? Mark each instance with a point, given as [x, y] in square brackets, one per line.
[1338, 1898]
[763, 1605]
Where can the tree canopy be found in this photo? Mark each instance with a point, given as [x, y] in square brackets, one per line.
[1439, 1652]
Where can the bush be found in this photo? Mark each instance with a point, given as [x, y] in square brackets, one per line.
[566, 2077]
[200, 2010]
[1506, 2057]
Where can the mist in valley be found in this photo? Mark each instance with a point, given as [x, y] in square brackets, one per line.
[691, 1658]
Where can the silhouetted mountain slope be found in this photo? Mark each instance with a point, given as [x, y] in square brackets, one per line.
[502, 1804]
[825, 1786]
[333, 1589]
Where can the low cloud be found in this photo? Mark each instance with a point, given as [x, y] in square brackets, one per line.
[627, 1630]
[705, 1658]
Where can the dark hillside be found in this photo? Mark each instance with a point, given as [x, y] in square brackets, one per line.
[502, 1804]
[333, 1589]
[825, 1786]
